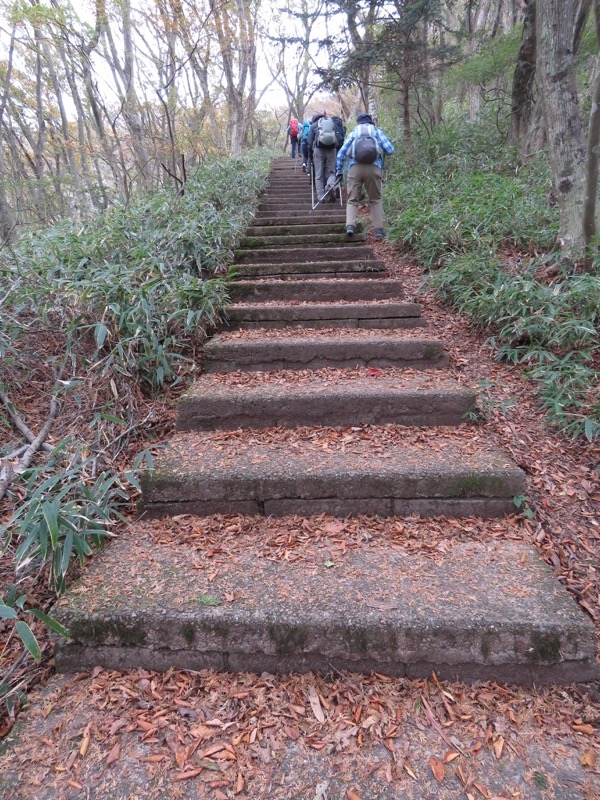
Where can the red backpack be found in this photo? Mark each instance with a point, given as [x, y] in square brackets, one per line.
[294, 128]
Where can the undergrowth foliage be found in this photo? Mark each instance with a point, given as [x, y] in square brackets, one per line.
[484, 226]
[105, 315]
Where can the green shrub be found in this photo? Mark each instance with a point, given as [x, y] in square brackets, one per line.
[464, 205]
[135, 289]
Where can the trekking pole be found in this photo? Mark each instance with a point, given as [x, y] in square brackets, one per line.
[312, 185]
[331, 188]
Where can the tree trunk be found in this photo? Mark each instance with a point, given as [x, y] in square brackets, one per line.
[593, 144]
[524, 81]
[566, 144]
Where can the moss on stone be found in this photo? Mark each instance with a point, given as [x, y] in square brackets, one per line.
[288, 640]
[545, 648]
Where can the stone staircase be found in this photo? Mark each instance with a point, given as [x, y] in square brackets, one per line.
[251, 440]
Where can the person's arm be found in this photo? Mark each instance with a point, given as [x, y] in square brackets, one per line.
[385, 143]
[343, 152]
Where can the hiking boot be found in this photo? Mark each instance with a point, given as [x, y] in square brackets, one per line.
[350, 230]
[380, 234]
[304, 167]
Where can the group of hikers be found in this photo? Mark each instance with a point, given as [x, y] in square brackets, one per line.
[322, 144]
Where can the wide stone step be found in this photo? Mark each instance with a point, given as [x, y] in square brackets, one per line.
[309, 351]
[355, 268]
[321, 239]
[301, 216]
[411, 400]
[274, 231]
[313, 290]
[253, 473]
[310, 253]
[304, 205]
[489, 612]
[326, 315]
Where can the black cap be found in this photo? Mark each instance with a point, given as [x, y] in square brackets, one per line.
[364, 119]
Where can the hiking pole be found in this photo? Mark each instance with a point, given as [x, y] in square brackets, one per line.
[331, 188]
[312, 183]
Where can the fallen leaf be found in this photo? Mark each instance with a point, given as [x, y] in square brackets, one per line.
[450, 756]
[184, 776]
[239, 786]
[85, 742]
[353, 795]
[315, 704]
[589, 759]
[410, 772]
[584, 728]
[113, 755]
[498, 746]
[438, 769]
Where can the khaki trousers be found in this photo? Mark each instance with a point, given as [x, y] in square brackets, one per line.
[369, 176]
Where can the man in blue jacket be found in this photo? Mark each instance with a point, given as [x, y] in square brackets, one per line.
[365, 148]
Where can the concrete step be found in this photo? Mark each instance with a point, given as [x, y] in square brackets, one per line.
[363, 611]
[310, 351]
[310, 253]
[323, 290]
[304, 205]
[325, 239]
[300, 218]
[253, 472]
[295, 230]
[320, 214]
[355, 268]
[412, 400]
[326, 315]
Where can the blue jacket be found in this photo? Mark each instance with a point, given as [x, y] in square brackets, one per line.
[346, 149]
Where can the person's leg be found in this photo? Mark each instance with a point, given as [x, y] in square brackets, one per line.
[330, 156]
[319, 167]
[354, 187]
[372, 179]
[294, 142]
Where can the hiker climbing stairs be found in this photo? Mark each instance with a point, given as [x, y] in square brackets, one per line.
[320, 342]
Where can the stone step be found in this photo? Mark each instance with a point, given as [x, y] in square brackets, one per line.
[490, 612]
[325, 315]
[310, 351]
[310, 253]
[307, 290]
[303, 239]
[430, 474]
[300, 205]
[327, 211]
[412, 400]
[316, 269]
[271, 231]
[300, 217]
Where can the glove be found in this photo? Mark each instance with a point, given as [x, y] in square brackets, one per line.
[339, 176]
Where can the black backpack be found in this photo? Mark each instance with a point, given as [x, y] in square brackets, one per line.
[340, 131]
[365, 147]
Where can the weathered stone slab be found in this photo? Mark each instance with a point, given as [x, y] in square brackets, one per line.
[411, 401]
[323, 315]
[193, 469]
[311, 253]
[299, 216]
[293, 230]
[360, 268]
[323, 290]
[484, 612]
[302, 240]
[307, 352]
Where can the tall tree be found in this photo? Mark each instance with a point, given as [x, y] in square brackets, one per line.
[559, 25]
